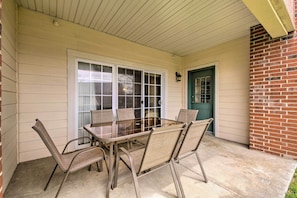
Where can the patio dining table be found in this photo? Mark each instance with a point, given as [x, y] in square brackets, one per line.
[116, 132]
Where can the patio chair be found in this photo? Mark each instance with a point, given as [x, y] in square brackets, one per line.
[71, 161]
[125, 114]
[128, 114]
[187, 115]
[190, 144]
[101, 116]
[157, 153]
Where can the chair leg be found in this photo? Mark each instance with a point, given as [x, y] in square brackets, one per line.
[178, 185]
[201, 167]
[135, 181]
[64, 179]
[50, 177]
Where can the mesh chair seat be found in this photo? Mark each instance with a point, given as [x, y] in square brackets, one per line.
[101, 116]
[157, 153]
[125, 114]
[190, 144]
[68, 162]
[187, 115]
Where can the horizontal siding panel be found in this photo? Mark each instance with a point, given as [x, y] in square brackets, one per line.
[30, 108]
[8, 84]
[8, 169]
[50, 125]
[237, 106]
[234, 81]
[8, 58]
[235, 99]
[8, 33]
[8, 123]
[33, 135]
[237, 137]
[9, 98]
[8, 45]
[39, 70]
[8, 110]
[36, 154]
[42, 80]
[29, 117]
[41, 49]
[42, 89]
[236, 124]
[9, 138]
[240, 111]
[25, 59]
[42, 98]
[38, 144]
[8, 72]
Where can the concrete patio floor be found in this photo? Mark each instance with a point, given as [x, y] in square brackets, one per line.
[232, 170]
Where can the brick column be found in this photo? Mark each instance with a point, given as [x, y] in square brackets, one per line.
[1, 173]
[273, 93]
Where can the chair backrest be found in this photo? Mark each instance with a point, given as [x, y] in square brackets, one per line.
[125, 114]
[101, 116]
[47, 140]
[187, 115]
[160, 146]
[193, 136]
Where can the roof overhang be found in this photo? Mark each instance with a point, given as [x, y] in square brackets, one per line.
[276, 16]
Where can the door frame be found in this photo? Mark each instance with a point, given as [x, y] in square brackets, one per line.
[216, 92]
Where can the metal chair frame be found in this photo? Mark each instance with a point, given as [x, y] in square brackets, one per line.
[68, 161]
[163, 138]
[189, 145]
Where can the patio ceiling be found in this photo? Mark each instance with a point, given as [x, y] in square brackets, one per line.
[175, 26]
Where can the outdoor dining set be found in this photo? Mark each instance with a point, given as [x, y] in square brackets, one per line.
[144, 145]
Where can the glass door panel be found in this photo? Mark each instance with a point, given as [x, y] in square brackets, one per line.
[130, 90]
[152, 97]
[94, 92]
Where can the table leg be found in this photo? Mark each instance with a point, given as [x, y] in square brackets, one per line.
[111, 169]
[117, 159]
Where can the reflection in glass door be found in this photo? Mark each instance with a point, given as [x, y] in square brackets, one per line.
[94, 92]
[130, 90]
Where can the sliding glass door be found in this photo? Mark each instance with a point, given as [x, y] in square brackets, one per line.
[103, 86]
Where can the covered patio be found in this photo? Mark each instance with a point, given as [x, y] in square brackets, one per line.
[154, 57]
[232, 170]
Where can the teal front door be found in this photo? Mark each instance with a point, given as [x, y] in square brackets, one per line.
[201, 92]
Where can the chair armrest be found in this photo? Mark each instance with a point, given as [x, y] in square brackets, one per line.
[130, 158]
[85, 151]
[73, 141]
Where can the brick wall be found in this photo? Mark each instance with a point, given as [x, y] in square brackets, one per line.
[1, 179]
[273, 93]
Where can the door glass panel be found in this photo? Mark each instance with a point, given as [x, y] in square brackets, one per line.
[92, 80]
[129, 90]
[203, 89]
[152, 93]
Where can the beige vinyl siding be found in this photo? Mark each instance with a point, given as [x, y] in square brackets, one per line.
[9, 92]
[43, 74]
[232, 91]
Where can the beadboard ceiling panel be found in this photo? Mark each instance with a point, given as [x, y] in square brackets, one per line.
[180, 27]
